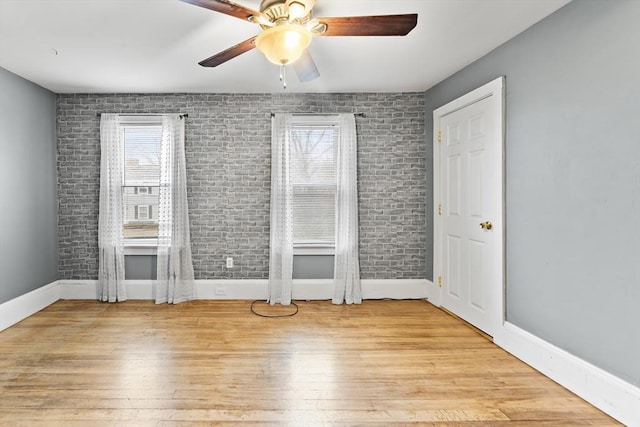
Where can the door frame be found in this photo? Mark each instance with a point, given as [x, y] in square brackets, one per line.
[494, 88]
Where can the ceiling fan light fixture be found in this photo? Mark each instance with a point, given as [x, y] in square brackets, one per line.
[284, 44]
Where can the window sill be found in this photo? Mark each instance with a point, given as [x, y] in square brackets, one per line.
[141, 247]
[314, 250]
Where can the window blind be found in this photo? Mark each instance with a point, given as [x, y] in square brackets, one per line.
[313, 180]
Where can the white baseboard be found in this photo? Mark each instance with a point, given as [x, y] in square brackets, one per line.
[78, 289]
[255, 289]
[88, 289]
[607, 392]
[395, 289]
[434, 293]
[321, 289]
[17, 309]
[232, 289]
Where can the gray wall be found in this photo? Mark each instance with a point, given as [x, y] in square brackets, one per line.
[28, 227]
[573, 178]
[313, 266]
[144, 267]
[140, 267]
[228, 173]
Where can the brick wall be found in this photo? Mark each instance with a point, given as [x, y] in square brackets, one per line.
[228, 173]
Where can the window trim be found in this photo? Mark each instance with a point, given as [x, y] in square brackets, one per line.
[313, 249]
[141, 246]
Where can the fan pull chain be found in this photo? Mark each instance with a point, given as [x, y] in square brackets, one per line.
[283, 76]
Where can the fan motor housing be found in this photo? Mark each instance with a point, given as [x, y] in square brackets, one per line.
[276, 10]
[266, 4]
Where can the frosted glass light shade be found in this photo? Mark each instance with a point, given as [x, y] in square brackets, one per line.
[283, 44]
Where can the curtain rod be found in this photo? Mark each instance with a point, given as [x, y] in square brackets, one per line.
[182, 115]
[273, 113]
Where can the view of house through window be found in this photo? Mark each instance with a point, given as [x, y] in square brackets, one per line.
[141, 180]
[313, 179]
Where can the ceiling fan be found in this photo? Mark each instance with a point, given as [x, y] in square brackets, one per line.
[288, 27]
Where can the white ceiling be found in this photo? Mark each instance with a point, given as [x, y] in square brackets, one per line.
[107, 46]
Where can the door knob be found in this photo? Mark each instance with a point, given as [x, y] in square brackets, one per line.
[486, 225]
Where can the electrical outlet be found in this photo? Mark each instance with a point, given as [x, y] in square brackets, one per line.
[221, 291]
[229, 262]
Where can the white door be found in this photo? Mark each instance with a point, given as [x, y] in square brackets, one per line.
[470, 208]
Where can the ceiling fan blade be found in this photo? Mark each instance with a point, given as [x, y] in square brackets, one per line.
[226, 7]
[383, 25]
[306, 68]
[230, 53]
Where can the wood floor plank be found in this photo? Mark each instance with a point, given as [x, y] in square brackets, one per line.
[381, 363]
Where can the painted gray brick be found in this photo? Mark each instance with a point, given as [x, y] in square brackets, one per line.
[228, 172]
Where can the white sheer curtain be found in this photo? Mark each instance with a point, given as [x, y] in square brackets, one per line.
[281, 238]
[346, 265]
[175, 268]
[110, 239]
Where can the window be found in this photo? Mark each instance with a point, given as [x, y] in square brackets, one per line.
[143, 212]
[313, 182]
[141, 181]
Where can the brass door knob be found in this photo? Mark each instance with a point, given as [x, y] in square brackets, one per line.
[486, 225]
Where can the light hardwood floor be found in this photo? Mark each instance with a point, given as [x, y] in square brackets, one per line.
[387, 363]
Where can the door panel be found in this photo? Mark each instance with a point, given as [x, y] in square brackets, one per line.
[454, 266]
[476, 270]
[471, 190]
[453, 189]
[476, 172]
[476, 127]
